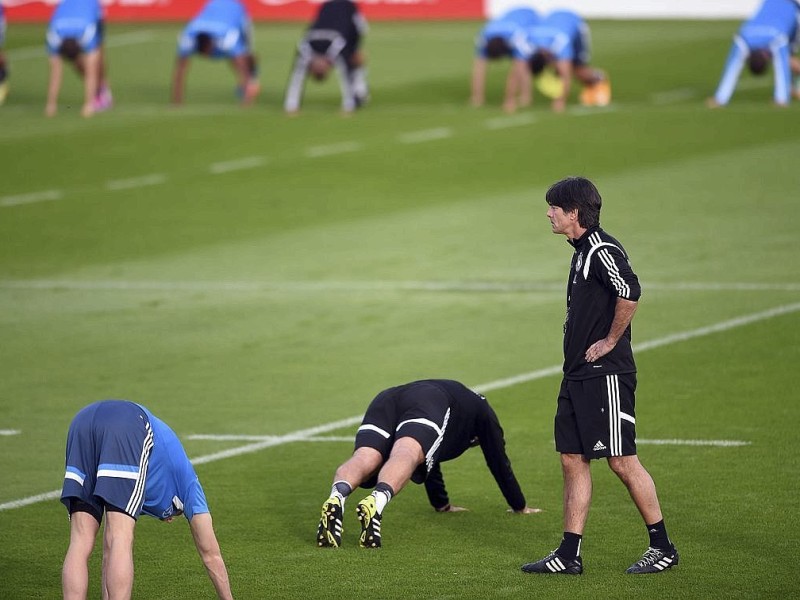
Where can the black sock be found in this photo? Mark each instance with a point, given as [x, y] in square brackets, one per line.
[343, 488]
[658, 536]
[570, 547]
[385, 488]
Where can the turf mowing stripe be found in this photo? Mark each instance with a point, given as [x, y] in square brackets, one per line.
[249, 162]
[366, 286]
[425, 135]
[43, 196]
[116, 185]
[333, 149]
[304, 434]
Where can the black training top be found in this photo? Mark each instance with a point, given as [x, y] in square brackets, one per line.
[472, 420]
[600, 273]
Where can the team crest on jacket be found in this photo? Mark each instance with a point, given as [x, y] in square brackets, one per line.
[579, 262]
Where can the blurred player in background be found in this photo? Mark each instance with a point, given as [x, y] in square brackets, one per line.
[505, 37]
[122, 461]
[561, 41]
[332, 40]
[406, 432]
[771, 35]
[75, 34]
[595, 414]
[3, 64]
[221, 30]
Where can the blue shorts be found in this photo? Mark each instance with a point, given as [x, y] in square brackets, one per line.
[108, 448]
[89, 36]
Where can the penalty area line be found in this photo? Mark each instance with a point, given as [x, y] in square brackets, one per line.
[303, 434]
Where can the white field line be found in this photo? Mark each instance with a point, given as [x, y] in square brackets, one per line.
[117, 185]
[333, 149]
[43, 196]
[425, 135]
[10, 432]
[304, 434]
[123, 39]
[366, 286]
[507, 122]
[350, 439]
[718, 443]
[587, 111]
[240, 164]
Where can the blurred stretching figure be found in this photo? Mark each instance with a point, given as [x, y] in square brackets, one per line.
[505, 36]
[562, 41]
[3, 64]
[122, 461]
[332, 40]
[595, 414]
[221, 30]
[75, 34]
[771, 35]
[406, 432]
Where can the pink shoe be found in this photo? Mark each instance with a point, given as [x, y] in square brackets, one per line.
[103, 100]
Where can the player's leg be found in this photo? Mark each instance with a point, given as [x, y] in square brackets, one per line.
[406, 455]
[577, 481]
[364, 462]
[620, 395]
[118, 555]
[83, 528]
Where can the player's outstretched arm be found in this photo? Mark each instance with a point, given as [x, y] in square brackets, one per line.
[179, 79]
[205, 540]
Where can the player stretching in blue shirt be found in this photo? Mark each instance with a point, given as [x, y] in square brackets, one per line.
[75, 34]
[221, 30]
[771, 34]
[505, 36]
[562, 39]
[123, 461]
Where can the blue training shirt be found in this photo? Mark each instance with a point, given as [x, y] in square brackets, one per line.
[512, 27]
[228, 24]
[171, 482]
[75, 19]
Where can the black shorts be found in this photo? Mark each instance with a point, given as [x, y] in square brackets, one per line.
[419, 410]
[596, 417]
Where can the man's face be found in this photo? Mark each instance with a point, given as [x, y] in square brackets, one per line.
[562, 222]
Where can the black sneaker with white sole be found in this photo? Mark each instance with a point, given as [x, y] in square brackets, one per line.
[553, 563]
[654, 560]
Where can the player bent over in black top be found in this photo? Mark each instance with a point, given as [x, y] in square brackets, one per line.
[406, 433]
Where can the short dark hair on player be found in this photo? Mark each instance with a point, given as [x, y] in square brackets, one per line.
[203, 43]
[537, 62]
[497, 47]
[758, 61]
[70, 48]
[577, 193]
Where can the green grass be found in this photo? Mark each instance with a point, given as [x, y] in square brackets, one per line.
[275, 299]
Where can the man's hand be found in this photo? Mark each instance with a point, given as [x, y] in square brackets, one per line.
[528, 510]
[598, 350]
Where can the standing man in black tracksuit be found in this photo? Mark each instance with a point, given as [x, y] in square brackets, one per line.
[333, 40]
[595, 417]
[406, 432]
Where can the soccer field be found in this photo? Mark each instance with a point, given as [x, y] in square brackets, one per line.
[255, 280]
